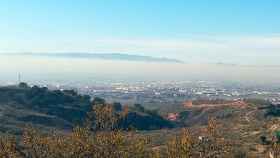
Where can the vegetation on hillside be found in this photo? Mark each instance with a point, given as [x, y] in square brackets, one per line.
[66, 109]
[106, 142]
[112, 130]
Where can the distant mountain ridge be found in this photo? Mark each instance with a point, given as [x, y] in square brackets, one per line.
[105, 56]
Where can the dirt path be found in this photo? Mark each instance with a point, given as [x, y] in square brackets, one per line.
[247, 115]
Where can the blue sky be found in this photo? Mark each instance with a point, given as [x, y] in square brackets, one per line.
[232, 31]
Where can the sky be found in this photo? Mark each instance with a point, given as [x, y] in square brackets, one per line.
[195, 31]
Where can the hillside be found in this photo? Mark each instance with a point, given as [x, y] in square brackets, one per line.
[62, 110]
[239, 128]
[21, 105]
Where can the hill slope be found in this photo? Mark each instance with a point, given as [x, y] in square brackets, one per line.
[62, 110]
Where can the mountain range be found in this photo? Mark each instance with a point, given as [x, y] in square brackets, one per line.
[104, 56]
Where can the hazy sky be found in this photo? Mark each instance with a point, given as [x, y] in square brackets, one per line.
[204, 31]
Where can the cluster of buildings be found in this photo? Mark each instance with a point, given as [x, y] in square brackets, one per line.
[173, 91]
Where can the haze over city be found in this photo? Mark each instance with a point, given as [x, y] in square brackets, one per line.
[211, 38]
